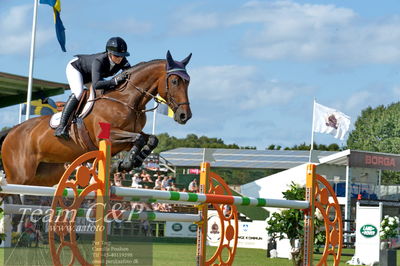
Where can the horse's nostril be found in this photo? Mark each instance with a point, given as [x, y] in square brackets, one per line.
[182, 117]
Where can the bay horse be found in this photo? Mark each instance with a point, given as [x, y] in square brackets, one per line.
[32, 155]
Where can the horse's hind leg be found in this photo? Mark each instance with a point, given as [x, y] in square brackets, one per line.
[20, 171]
[49, 174]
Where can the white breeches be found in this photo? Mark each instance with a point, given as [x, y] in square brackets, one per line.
[75, 79]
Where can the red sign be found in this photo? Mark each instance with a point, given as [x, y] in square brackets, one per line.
[194, 171]
[375, 160]
[379, 160]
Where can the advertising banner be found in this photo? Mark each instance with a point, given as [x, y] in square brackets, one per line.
[251, 234]
[180, 229]
[374, 160]
[367, 233]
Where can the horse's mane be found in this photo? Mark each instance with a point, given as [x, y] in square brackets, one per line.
[143, 64]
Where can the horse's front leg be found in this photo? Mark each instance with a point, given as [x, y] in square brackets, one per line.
[127, 163]
[151, 144]
[142, 147]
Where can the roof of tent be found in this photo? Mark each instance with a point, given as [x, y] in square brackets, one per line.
[241, 158]
[13, 89]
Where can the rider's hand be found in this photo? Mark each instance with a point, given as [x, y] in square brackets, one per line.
[121, 77]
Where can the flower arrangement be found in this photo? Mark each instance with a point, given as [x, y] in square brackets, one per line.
[389, 227]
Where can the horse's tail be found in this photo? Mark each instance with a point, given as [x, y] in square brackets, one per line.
[3, 135]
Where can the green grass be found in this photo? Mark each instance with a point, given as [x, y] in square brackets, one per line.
[165, 254]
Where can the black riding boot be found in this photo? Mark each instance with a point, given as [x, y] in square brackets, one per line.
[62, 129]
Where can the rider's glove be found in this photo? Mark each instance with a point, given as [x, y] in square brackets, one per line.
[121, 77]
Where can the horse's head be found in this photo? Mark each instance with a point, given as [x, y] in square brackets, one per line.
[176, 89]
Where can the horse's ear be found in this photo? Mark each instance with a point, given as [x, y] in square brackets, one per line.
[186, 60]
[170, 61]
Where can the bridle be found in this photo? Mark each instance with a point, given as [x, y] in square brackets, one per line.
[169, 101]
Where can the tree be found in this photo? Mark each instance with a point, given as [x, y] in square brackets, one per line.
[378, 130]
[167, 142]
[307, 147]
[290, 224]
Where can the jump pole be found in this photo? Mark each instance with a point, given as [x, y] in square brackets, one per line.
[212, 188]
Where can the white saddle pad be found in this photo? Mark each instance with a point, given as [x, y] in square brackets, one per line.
[55, 119]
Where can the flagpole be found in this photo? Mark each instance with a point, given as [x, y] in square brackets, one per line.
[154, 119]
[31, 61]
[312, 133]
[20, 114]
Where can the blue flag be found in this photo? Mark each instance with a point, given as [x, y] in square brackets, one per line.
[60, 30]
[41, 107]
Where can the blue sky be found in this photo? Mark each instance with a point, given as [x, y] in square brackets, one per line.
[256, 65]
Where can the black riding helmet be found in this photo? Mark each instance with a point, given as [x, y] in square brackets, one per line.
[117, 46]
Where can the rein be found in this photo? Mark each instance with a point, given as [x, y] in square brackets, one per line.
[170, 99]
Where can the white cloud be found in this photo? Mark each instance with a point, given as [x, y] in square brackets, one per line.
[242, 86]
[304, 32]
[320, 32]
[15, 30]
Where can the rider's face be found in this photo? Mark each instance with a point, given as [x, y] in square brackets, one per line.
[116, 59]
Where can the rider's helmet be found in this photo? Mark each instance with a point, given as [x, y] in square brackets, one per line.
[117, 46]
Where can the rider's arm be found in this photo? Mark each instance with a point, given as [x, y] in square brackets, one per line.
[98, 82]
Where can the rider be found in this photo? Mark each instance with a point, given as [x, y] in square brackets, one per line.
[93, 68]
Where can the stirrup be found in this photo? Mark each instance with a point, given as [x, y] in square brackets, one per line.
[62, 133]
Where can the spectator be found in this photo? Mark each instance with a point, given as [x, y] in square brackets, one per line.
[145, 225]
[147, 178]
[136, 181]
[173, 187]
[164, 182]
[30, 231]
[143, 173]
[193, 186]
[170, 180]
[158, 182]
[118, 179]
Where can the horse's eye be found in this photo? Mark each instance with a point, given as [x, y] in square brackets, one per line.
[174, 82]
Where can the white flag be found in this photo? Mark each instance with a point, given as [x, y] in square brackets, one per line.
[330, 121]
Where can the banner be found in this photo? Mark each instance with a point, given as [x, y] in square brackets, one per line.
[180, 229]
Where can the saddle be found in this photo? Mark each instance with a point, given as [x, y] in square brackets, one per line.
[77, 129]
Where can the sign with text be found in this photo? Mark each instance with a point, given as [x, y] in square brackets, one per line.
[374, 160]
[368, 225]
[180, 229]
[194, 171]
[250, 234]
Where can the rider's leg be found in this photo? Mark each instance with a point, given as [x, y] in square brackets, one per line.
[70, 105]
[151, 144]
[75, 81]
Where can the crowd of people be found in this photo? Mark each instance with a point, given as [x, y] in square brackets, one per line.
[157, 181]
[144, 180]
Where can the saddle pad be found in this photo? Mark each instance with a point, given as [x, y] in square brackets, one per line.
[55, 118]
